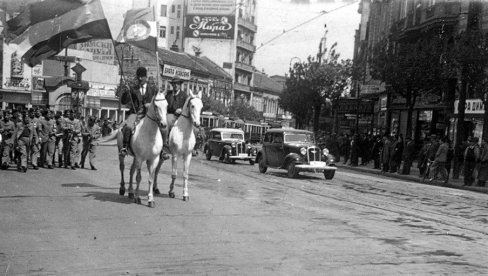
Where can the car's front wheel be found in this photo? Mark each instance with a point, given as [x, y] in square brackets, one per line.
[251, 162]
[227, 157]
[292, 170]
[329, 174]
[262, 166]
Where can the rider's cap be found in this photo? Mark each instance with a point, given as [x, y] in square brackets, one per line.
[141, 72]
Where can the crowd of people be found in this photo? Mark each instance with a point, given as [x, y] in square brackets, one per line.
[41, 138]
[394, 154]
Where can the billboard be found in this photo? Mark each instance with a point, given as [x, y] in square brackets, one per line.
[102, 50]
[217, 7]
[210, 26]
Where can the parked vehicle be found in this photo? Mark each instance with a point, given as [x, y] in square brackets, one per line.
[295, 151]
[228, 145]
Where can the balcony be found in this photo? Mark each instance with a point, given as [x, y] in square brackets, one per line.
[246, 45]
[242, 87]
[244, 67]
[247, 24]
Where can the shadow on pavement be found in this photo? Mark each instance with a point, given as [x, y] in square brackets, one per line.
[78, 185]
[109, 197]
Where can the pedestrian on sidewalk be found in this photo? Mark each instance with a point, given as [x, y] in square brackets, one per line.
[483, 166]
[90, 133]
[396, 154]
[408, 155]
[346, 147]
[440, 160]
[471, 157]
[385, 153]
[355, 150]
[375, 152]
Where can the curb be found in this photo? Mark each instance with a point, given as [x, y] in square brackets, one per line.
[416, 180]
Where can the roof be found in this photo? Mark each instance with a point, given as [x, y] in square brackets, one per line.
[288, 130]
[223, 129]
[266, 84]
[198, 65]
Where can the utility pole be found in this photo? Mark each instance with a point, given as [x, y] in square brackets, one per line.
[322, 45]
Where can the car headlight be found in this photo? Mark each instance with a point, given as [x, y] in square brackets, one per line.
[233, 145]
[303, 151]
[325, 152]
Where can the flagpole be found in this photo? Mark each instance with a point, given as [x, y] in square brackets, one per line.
[158, 74]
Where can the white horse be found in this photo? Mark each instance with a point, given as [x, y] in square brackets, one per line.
[146, 144]
[182, 140]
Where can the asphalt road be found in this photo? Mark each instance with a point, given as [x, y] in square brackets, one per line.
[237, 222]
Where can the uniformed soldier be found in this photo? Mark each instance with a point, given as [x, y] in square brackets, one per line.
[35, 148]
[72, 130]
[7, 129]
[59, 138]
[91, 133]
[25, 138]
[48, 139]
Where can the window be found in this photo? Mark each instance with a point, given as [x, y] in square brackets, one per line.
[173, 8]
[178, 14]
[177, 32]
[179, 6]
[162, 31]
[163, 11]
[172, 30]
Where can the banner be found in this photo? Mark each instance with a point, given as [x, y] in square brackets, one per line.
[210, 26]
[140, 29]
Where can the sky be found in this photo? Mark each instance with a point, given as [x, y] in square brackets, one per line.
[275, 17]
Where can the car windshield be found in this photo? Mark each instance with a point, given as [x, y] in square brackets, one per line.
[233, 136]
[299, 137]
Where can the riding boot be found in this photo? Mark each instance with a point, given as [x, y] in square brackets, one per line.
[126, 141]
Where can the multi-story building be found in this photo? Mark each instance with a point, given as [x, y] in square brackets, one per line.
[408, 21]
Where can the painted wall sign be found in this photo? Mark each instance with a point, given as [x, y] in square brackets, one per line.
[210, 26]
[220, 7]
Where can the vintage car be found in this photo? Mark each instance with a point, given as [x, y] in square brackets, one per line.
[228, 145]
[295, 151]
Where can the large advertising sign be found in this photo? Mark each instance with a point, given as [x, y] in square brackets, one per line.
[102, 50]
[217, 7]
[210, 26]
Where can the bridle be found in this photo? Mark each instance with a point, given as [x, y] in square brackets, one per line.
[160, 124]
[186, 109]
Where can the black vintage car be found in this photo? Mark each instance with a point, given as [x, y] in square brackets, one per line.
[228, 145]
[295, 151]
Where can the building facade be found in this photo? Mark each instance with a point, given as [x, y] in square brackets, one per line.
[435, 112]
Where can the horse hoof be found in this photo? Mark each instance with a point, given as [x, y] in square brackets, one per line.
[131, 195]
[151, 204]
[156, 191]
[171, 195]
[121, 191]
[186, 198]
[138, 200]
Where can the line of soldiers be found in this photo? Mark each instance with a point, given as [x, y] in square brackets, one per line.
[39, 136]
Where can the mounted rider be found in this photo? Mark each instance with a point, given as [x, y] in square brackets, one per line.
[176, 100]
[137, 96]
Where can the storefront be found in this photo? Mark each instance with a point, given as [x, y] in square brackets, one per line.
[473, 119]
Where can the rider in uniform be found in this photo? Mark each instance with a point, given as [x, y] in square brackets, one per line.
[91, 132]
[137, 96]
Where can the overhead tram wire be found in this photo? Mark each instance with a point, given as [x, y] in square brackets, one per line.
[303, 23]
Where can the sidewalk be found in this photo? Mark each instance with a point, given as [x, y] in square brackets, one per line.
[413, 177]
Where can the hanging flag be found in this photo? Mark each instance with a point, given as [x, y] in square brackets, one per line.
[47, 27]
[139, 29]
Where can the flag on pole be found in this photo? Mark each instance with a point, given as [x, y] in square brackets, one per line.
[47, 27]
[140, 29]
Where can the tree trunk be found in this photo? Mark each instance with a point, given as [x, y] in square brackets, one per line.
[316, 117]
[388, 111]
[460, 127]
